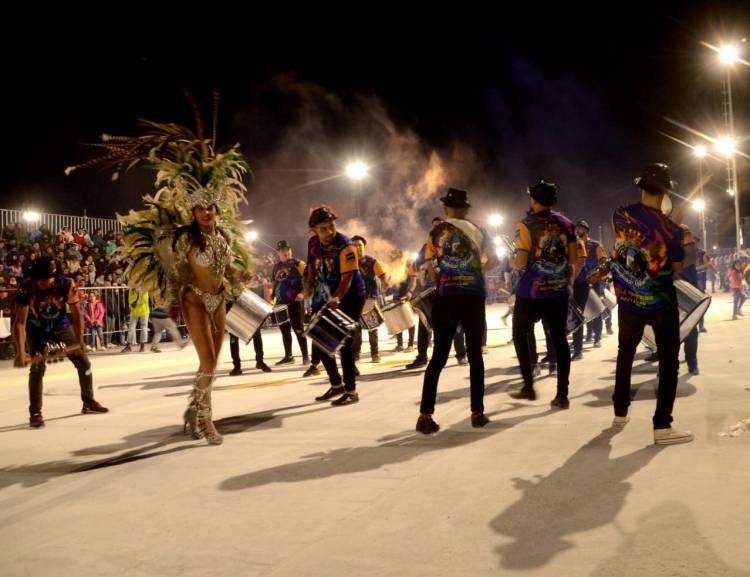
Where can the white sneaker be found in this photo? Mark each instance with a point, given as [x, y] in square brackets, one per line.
[671, 436]
[620, 422]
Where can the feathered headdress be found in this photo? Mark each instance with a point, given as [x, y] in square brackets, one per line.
[190, 173]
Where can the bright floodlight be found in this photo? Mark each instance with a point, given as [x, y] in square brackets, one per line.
[498, 240]
[252, 235]
[715, 247]
[699, 205]
[700, 151]
[501, 251]
[730, 191]
[728, 54]
[496, 219]
[726, 145]
[31, 216]
[356, 170]
[414, 256]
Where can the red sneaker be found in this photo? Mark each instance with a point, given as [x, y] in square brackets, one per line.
[36, 421]
[93, 407]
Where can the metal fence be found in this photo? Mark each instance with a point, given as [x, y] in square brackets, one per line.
[116, 318]
[56, 222]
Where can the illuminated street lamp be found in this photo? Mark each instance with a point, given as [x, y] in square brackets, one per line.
[31, 216]
[495, 220]
[251, 235]
[728, 55]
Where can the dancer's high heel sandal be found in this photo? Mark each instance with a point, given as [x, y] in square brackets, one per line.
[198, 413]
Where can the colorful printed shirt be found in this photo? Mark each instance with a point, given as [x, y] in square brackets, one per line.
[594, 253]
[646, 244]
[48, 308]
[327, 264]
[545, 235]
[287, 279]
[458, 246]
[371, 269]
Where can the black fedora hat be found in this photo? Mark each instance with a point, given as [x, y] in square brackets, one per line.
[456, 198]
[656, 178]
[321, 214]
[282, 244]
[545, 193]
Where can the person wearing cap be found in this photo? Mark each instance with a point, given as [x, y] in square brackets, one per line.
[373, 276]
[332, 279]
[420, 280]
[595, 255]
[455, 255]
[48, 311]
[288, 274]
[543, 272]
[649, 249]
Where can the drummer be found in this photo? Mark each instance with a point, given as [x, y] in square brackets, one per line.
[258, 284]
[455, 253]
[649, 249]
[595, 254]
[580, 296]
[690, 274]
[287, 276]
[332, 279]
[373, 276]
[420, 281]
[545, 266]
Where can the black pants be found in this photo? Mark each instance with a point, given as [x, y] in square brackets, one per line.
[35, 343]
[296, 321]
[400, 338]
[372, 337]
[234, 348]
[354, 310]
[447, 312]
[580, 297]
[423, 340]
[555, 312]
[666, 327]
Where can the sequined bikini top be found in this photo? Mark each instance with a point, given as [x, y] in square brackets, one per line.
[216, 256]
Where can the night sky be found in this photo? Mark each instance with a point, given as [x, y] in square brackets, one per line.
[492, 100]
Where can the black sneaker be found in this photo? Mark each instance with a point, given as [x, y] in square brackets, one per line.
[346, 399]
[376, 359]
[560, 403]
[528, 394]
[426, 425]
[127, 349]
[93, 407]
[331, 392]
[288, 360]
[155, 349]
[576, 357]
[416, 364]
[262, 366]
[694, 371]
[36, 421]
[236, 371]
[597, 344]
[142, 348]
[479, 420]
[311, 371]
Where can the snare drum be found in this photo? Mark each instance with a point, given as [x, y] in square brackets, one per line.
[329, 328]
[692, 304]
[422, 305]
[247, 315]
[278, 317]
[575, 318]
[398, 317]
[372, 319]
[594, 307]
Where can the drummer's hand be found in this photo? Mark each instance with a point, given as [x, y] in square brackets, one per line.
[21, 360]
[334, 302]
[300, 297]
[407, 296]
